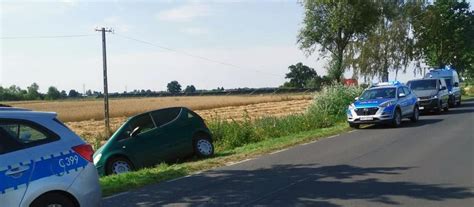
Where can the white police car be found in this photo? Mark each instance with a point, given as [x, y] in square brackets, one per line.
[387, 103]
[43, 163]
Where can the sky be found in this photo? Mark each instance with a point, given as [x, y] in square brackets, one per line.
[207, 44]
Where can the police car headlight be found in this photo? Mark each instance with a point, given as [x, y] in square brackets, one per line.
[352, 106]
[418, 99]
[450, 92]
[434, 97]
[387, 103]
[97, 158]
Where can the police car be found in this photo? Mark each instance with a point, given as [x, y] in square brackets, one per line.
[43, 163]
[384, 103]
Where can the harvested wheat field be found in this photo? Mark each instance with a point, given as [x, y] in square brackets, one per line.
[93, 109]
[86, 118]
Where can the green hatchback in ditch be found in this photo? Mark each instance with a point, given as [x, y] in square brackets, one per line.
[154, 137]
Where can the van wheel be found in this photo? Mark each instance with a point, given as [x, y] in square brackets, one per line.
[446, 109]
[118, 165]
[416, 114]
[397, 118]
[203, 146]
[438, 108]
[55, 199]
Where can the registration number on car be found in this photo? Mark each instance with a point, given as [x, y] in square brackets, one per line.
[366, 118]
[421, 107]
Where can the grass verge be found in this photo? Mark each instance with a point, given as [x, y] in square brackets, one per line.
[124, 182]
[467, 98]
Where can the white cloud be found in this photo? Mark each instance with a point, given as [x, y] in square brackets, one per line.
[186, 12]
[195, 31]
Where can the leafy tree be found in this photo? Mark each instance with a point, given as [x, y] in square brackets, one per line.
[388, 46]
[63, 94]
[444, 34]
[89, 92]
[174, 87]
[53, 93]
[190, 89]
[333, 25]
[32, 92]
[299, 75]
[73, 93]
[318, 82]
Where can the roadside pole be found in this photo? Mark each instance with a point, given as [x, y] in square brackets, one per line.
[106, 91]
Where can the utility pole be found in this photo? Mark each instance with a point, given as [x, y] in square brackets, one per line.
[106, 91]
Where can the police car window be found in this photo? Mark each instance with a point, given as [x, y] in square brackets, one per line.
[23, 133]
[7, 143]
[378, 93]
[407, 91]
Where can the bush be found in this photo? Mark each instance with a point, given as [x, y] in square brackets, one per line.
[328, 108]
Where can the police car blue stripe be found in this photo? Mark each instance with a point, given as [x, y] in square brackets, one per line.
[51, 165]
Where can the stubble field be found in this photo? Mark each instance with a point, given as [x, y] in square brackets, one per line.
[85, 117]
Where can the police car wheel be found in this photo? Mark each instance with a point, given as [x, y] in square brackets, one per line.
[397, 118]
[416, 114]
[53, 199]
[118, 165]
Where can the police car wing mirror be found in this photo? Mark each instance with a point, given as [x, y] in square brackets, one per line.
[356, 98]
[135, 132]
[442, 88]
[456, 84]
[401, 95]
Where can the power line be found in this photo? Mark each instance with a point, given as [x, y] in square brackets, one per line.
[194, 56]
[47, 37]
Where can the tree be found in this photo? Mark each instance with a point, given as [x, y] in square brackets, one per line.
[89, 92]
[63, 94]
[299, 75]
[73, 93]
[388, 46]
[190, 89]
[53, 93]
[332, 26]
[174, 87]
[33, 93]
[444, 34]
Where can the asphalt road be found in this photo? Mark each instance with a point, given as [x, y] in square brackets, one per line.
[429, 163]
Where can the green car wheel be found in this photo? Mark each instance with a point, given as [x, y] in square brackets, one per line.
[203, 147]
[119, 165]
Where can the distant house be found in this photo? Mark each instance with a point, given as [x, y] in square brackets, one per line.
[350, 82]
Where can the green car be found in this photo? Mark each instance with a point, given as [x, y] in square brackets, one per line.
[154, 137]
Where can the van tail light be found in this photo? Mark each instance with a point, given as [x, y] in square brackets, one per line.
[85, 151]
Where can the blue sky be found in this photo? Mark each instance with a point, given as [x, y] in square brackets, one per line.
[257, 37]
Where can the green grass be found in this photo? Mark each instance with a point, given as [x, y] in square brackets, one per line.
[124, 182]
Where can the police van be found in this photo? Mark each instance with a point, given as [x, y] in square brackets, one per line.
[43, 163]
[452, 81]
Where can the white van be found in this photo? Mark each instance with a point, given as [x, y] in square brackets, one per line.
[452, 81]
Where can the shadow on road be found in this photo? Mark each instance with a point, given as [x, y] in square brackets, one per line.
[405, 124]
[292, 185]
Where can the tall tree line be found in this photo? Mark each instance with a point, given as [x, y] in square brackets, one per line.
[374, 38]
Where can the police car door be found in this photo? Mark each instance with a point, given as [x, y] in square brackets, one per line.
[16, 165]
